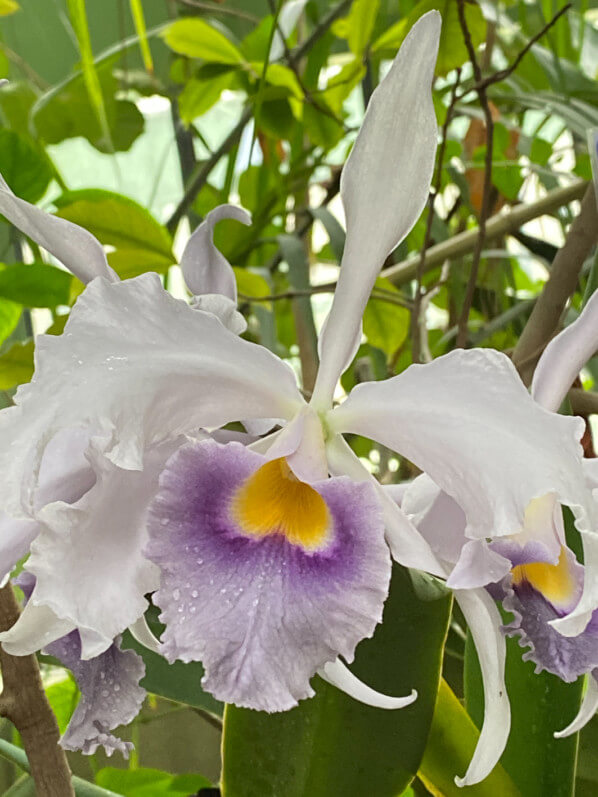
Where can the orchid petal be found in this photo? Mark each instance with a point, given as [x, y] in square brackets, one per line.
[119, 368]
[224, 309]
[204, 267]
[263, 610]
[565, 356]
[484, 622]
[76, 248]
[110, 695]
[574, 623]
[406, 544]
[36, 627]
[339, 675]
[477, 566]
[16, 535]
[448, 417]
[589, 706]
[384, 187]
[141, 631]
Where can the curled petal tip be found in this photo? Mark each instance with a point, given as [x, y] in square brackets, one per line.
[339, 675]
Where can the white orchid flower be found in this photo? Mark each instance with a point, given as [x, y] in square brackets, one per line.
[268, 561]
[528, 567]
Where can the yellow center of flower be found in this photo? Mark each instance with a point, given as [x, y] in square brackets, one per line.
[274, 501]
[555, 582]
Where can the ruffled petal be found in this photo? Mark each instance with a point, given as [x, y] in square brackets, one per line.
[261, 599]
[82, 547]
[467, 420]
[565, 356]
[16, 535]
[138, 367]
[384, 187]
[110, 695]
[76, 248]
[484, 622]
[36, 627]
[224, 309]
[204, 267]
[339, 675]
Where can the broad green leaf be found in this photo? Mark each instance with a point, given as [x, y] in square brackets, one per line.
[178, 681]
[385, 325]
[118, 221]
[35, 284]
[358, 26]
[320, 124]
[281, 76]
[251, 284]
[333, 745]
[63, 697]
[25, 168]
[452, 51]
[451, 743]
[195, 38]
[541, 704]
[199, 95]
[16, 365]
[342, 84]
[145, 782]
[65, 112]
[10, 312]
[8, 7]
[16, 101]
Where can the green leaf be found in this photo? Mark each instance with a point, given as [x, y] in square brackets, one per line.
[8, 7]
[385, 325]
[358, 26]
[323, 130]
[16, 101]
[452, 51]
[35, 284]
[200, 95]
[541, 704]
[194, 38]
[336, 233]
[141, 29]
[26, 168]
[251, 284]
[145, 782]
[141, 242]
[333, 745]
[451, 743]
[63, 697]
[16, 365]
[10, 312]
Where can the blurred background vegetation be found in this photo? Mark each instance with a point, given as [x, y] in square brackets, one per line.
[134, 118]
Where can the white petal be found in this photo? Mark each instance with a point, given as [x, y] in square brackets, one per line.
[139, 367]
[484, 623]
[589, 706]
[16, 535]
[406, 544]
[384, 187]
[565, 356]
[467, 420]
[339, 675]
[141, 631]
[575, 622]
[76, 248]
[224, 309]
[205, 268]
[287, 19]
[302, 442]
[36, 627]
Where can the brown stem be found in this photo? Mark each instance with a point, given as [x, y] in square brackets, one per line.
[562, 282]
[487, 195]
[23, 701]
[416, 330]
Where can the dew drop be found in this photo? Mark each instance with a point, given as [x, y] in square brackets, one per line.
[176, 594]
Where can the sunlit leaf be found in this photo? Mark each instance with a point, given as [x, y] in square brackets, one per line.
[8, 7]
[26, 168]
[144, 782]
[16, 365]
[358, 26]
[195, 38]
[10, 312]
[35, 284]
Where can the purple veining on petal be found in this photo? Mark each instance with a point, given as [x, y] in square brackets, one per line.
[261, 614]
[109, 686]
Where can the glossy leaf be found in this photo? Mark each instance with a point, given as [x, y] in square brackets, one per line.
[194, 38]
[26, 168]
[35, 284]
[145, 782]
[10, 312]
[16, 365]
[452, 740]
[141, 242]
[332, 744]
[541, 704]
[358, 25]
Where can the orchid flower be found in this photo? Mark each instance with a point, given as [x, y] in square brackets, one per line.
[269, 561]
[529, 568]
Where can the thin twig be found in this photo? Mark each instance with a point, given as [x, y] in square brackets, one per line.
[502, 74]
[416, 330]
[487, 194]
[377, 293]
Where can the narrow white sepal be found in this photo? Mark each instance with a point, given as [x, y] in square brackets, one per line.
[141, 631]
[589, 706]
[339, 675]
[37, 627]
